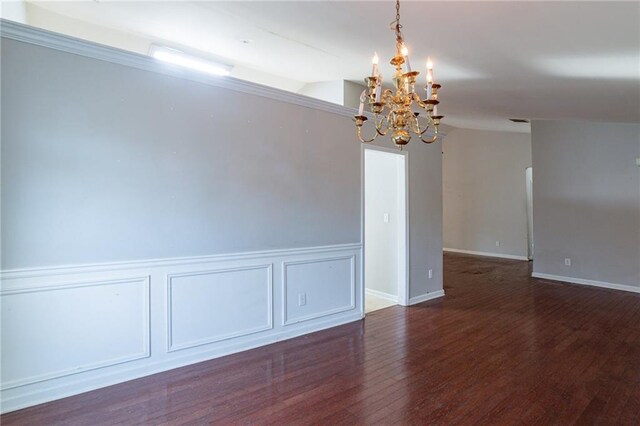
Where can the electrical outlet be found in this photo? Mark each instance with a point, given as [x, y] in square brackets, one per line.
[567, 261]
[497, 243]
[302, 299]
[430, 273]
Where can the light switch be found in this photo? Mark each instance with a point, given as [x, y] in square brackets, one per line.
[385, 217]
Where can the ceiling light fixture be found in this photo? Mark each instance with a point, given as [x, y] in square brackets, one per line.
[185, 60]
[392, 108]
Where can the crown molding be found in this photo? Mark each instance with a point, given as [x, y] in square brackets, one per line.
[88, 49]
[39, 37]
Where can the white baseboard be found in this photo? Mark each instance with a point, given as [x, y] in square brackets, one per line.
[487, 254]
[582, 281]
[382, 295]
[425, 297]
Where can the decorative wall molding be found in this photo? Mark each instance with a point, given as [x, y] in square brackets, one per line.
[352, 292]
[268, 268]
[582, 281]
[27, 34]
[486, 254]
[425, 297]
[176, 261]
[195, 346]
[382, 295]
[145, 344]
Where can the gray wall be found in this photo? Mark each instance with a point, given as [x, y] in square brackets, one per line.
[587, 200]
[425, 214]
[485, 196]
[424, 170]
[102, 162]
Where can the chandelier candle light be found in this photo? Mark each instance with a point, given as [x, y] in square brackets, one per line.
[392, 109]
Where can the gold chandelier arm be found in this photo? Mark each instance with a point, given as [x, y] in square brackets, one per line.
[430, 124]
[387, 96]
[424, 104]
[434, 138]
[416, 98]
[418, 130]
[415, 124]
[375, 135]
[379, 125]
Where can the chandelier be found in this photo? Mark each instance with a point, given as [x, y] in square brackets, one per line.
[392, 109]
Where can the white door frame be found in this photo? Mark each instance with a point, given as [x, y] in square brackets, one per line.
[403, 244]
[528, 174]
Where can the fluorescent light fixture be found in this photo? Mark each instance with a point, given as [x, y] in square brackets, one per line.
[185, 60]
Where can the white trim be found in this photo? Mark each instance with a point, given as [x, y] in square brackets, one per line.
[425, 297]
[175, 261]
[404, 288]
[582, 281]
[381, 295]
[403, 190]
[39, 37]
[528, 177]
[171, 347]
[483, 253]
[384, 149]
[352, 303]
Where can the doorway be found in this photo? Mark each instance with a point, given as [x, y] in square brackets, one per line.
[529, 183]
[385, 228]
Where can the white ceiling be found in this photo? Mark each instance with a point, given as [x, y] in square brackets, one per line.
[496, 60]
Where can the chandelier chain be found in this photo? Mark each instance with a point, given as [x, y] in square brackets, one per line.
[396, 24]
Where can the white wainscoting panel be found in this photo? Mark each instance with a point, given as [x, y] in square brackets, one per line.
[71, 329]
[328, 285]
[209, 306]
[56, 331]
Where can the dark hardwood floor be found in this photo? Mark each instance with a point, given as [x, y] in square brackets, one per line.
[500, 348]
